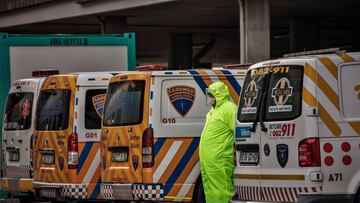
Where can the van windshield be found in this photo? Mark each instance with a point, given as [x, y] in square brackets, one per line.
[282, 93]
[124, 102]
[18, 111]
[52, 112]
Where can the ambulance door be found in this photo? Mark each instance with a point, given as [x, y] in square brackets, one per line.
[125, 126]
[53, 130]
[247, 135]
[18, 128]
[289, 142]
[88, 122]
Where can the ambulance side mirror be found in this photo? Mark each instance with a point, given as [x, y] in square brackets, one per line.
[312, 111]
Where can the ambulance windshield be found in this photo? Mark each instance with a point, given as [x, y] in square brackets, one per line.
[124, 103]
[282, 93]
[18, 111]
[52, 112]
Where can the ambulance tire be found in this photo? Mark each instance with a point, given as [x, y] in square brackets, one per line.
[198, 195]
[357, 197]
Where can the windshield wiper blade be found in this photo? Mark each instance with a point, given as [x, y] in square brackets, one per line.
[260, 112]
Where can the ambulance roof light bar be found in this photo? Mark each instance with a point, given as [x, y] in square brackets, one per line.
[237, 66]
[150, 67]
[44, 73]
[313, 52]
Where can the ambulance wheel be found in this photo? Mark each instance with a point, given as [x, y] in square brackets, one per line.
[357, 197]
[198, 195]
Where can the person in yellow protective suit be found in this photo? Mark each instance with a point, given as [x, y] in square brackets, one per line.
[217, 145]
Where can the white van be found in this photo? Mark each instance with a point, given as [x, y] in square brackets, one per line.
[151, 131]
[66, 140]
[298, 130]
[18, 126]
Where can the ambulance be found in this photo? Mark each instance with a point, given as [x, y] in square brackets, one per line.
[16, 133]
[151, 131]
[298, 130]
[66, 140]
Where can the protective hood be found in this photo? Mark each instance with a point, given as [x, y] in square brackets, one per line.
[220, 91]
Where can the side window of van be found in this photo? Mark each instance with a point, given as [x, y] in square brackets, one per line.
[94, 105]
[349, 87]
[284, 94]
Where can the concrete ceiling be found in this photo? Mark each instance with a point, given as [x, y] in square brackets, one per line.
[338, 22]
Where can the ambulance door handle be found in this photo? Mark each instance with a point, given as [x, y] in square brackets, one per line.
[5, 140]
[20, 140]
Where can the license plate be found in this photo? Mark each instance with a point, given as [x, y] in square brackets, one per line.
[249, 158]
[48, 159]
[14, 156]
[119, 157]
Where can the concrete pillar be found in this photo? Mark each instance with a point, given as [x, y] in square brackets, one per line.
[303, 34]
[255, 16]
[113, 24]
[180, 51]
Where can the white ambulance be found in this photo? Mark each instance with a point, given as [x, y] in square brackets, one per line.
[298, 130]
[17, 129]
[151, 131]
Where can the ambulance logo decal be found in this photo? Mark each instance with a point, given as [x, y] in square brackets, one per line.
[98, 102]
[135, 161]
[281, 93]
[182, 98]
[25, 109]
[282, 152]
[250, 94]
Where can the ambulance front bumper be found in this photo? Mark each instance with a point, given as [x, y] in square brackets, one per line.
[60, 191]
[129, 191]
[16, 186]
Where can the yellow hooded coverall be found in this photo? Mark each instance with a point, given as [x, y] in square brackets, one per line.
[217, 145]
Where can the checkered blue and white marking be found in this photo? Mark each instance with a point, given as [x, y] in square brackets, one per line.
[75, 191]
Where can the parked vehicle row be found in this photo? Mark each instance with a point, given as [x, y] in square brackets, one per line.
[135, 135]
[148, 146]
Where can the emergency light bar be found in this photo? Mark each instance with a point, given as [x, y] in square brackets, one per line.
[44, 73]
[313, 52]
[150, 67]
[237, 66]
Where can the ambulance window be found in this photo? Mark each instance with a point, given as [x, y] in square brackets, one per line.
[349, 87]
[284, 93]
[94, 105]
[52, 112]
[250, 96]
[18, 111]
[124, 103]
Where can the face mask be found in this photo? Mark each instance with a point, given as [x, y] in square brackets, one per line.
[210, 100]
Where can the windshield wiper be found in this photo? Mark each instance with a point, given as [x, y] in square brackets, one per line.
[260, 112]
